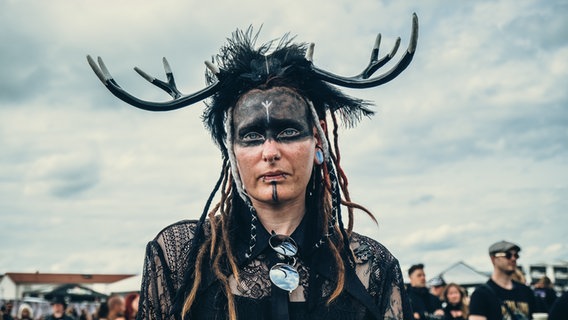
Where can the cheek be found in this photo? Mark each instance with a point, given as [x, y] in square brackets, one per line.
[245, 159]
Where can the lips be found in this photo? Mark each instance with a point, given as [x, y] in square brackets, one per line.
[273, 176]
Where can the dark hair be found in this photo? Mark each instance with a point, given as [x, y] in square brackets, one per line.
[246, 67]
[415, 267]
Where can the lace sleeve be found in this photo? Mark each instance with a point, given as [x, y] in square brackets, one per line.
[164, 265]
[398, 305]
[380, 272]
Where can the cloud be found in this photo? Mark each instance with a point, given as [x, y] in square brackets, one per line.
[63, 175]
[468, 145]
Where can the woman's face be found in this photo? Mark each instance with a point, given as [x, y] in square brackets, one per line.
[274, 145]
[134, 304]
[454, 295]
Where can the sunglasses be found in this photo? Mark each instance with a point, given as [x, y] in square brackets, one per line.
[507, 255]
[283, 274]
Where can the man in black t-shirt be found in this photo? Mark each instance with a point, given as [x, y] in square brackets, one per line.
[424, 304]
[501, 297]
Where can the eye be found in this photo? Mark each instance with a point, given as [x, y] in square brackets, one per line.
[288, 133]
[252, 136]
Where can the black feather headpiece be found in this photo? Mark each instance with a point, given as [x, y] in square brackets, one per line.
[244, 67]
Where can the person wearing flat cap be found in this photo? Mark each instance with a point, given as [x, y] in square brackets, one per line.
[437, 286]
[502, 297]
[58, 306]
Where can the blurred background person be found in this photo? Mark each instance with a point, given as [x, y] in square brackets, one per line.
[116, 307]
[424, 304]
[131, 302]
[58, 307]
[437, 287]
[545, 294]
[455, 299]
[72, 312]
[84, 314]
[102, 311]
[519, 276]
[6, 311]
[502, 296]
[25, 312]
[559, 310]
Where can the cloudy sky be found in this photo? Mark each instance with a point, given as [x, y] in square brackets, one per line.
[469, 145]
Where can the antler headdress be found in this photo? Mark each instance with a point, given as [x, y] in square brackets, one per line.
[237, 69]
[240, 68]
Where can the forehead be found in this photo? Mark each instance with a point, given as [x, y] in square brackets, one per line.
[275, 103]
[417, 272]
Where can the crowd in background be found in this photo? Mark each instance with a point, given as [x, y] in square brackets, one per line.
[437, 300]
[448, 301]
[433, 299]
[116, 307]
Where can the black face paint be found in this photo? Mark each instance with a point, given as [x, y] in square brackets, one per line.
[274, 192]
[278, 114]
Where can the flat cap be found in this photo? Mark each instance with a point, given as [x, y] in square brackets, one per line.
[503, 246]
[437, 281]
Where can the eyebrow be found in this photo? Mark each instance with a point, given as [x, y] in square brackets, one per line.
[260, 124]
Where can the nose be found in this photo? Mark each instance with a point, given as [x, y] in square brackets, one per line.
[270, 151]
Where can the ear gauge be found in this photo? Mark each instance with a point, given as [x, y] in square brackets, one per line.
[318, 156]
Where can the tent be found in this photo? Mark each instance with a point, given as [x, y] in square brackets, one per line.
[464, 275]
[124, 286]
[74, 293]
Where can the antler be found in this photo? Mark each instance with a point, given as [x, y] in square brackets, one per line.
[180, 100]
[362, 80]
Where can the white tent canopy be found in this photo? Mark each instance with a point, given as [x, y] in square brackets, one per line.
[464, 275]
[131, 284]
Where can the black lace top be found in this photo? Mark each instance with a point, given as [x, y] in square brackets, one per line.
[373, 289]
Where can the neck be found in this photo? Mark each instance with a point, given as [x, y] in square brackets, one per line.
[502, 279]
[282, 218]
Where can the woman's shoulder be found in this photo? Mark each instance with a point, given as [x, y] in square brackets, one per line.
[183, 229]
[367, 249]
[172, 244]
[176, 238]
[377, 268]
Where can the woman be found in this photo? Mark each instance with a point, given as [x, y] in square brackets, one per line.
[274, 246]
[545, 294]
[131, 302]
[455, 298]
[25, 312]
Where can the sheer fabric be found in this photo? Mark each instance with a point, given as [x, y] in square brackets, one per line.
[376, 269]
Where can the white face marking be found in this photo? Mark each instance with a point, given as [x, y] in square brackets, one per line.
[266, 104]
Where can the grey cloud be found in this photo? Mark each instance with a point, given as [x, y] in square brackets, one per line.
[421, 200]
[64, 175]
[22, 78]
[536, 25]
[74, 183]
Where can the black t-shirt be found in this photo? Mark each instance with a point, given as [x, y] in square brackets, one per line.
[486, 302]
[559, 310]
[422, 301]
